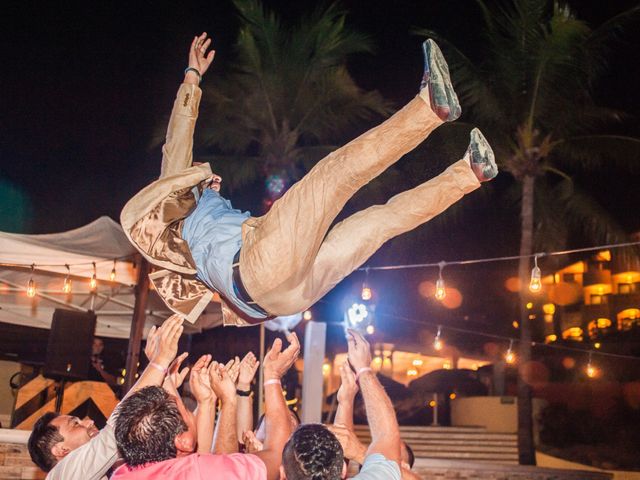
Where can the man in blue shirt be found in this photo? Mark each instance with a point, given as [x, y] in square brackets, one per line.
[284, 261]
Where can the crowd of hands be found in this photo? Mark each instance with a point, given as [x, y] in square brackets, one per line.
[215, 383]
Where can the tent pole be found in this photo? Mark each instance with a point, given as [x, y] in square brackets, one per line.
[137, 323]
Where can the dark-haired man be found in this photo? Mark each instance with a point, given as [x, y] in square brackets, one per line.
[155, 438]
[73, 449]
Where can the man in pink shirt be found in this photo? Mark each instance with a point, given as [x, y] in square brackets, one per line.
[156, 435]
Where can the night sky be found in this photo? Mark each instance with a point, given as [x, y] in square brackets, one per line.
[84, 84]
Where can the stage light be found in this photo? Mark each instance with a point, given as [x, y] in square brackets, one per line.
[356, 314]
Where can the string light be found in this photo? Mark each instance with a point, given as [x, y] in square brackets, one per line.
[535, 285]
[371, 329]
[66, 286]
[438, 344]
[112, 276]
[441, 292]
[591, 370]
[94, 278]
[31, 286]
[510, 356]
[366, 293]
[307, 315]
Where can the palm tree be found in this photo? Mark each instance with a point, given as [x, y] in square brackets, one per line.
[286, 98]
[531, 92]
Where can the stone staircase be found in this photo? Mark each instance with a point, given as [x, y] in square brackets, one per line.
[16, 464]
[456, 443]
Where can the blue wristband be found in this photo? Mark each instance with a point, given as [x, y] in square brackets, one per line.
[194, 70]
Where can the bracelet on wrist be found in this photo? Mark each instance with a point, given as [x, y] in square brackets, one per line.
[361, 371]
[273, 381]
[243, 393]
[194, 70]
[157, 366]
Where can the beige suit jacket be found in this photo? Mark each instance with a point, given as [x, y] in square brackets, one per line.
[152, 220]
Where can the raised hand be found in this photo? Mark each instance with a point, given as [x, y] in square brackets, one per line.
[348, 388]
[174, 374]
[351, 445]
[248, 368]
[251, 443]
[199, 381]
[233, 369]
[198, 56]
[359, 350]
[165, 341]
[221, 383]
[277, 362]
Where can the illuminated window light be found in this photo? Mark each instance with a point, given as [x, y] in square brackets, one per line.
[441, 291]
[535, 285]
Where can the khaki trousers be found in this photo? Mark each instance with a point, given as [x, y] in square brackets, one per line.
[288, 260]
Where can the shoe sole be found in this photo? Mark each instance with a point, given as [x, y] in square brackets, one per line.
[483, 160]
[443, 98]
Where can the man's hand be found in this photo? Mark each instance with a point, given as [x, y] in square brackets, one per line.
[221, 383]
[165, 345]
[248, 368]
[348, 388]
[359, 350]
[152, 343]
[251, 443]
[233, 369]
[278, 362]
[198, 56]
[352, 446]
[175, 375]
[199, 381]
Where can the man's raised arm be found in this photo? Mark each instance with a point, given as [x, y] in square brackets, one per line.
[385, 432]
[177, 152]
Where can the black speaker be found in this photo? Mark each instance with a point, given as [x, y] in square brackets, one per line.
[69, 347]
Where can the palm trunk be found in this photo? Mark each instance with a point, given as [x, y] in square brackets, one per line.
[526, 448]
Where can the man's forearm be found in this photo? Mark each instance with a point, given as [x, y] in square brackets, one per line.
[277, 427]
[226, 436]
[205, 419]
[244, 415]
[381, 416]
[344, 414]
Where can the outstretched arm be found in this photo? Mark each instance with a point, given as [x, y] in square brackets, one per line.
[177, 152]
[385, 432]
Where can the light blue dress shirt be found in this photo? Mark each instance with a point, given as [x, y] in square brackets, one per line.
[213, 232]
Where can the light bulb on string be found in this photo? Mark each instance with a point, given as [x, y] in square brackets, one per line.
[441, 292]
[66, 286]
[366, 293]
[438, 344]
[112, 276]
[535, 285]
[94, 278]
[591, 371]
[510, 356]
[31, 286]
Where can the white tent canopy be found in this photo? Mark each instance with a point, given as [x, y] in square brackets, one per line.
[102, 242]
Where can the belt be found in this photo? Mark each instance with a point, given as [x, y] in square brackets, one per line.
[240, 291]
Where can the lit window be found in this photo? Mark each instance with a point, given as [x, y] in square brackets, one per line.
[573, 333]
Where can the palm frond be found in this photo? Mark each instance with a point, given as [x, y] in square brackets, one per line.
[591, 152]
